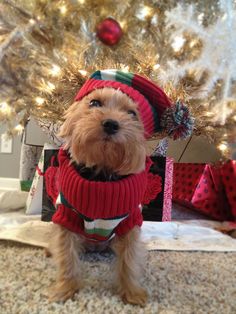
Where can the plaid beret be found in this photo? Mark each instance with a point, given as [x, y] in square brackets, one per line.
[156, 110]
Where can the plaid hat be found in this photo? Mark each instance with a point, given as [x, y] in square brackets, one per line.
[156, 110]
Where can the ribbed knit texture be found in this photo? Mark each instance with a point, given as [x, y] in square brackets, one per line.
[83, 201]
[151, 99]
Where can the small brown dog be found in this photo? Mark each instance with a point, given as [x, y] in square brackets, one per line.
[92, 142]
[103, 176]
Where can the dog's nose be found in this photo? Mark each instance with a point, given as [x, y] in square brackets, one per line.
[110, 126]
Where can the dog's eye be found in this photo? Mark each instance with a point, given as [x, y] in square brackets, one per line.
[132, 112]
[95, 103]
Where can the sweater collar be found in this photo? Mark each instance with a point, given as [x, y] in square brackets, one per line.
[101, 199]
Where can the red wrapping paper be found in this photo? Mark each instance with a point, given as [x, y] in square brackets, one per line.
[200, 186]
[228, 174]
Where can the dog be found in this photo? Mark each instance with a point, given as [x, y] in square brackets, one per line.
[103, 169]
[103, 132]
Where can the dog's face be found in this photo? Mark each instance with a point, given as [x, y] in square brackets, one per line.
[104, 129]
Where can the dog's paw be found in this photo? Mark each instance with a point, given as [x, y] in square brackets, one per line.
[136, 296]
[63, 290]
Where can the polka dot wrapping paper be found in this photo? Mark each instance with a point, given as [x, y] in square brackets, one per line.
[228, 174]
[201, 187]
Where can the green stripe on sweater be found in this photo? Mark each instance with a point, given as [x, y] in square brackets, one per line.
[100, 232]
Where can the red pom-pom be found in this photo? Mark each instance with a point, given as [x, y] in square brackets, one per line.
[154, 187]
[109, 31]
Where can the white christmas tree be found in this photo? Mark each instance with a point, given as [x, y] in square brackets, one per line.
[217, 57]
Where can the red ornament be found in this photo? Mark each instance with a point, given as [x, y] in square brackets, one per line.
[109, 31]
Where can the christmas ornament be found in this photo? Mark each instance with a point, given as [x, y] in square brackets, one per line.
[109, 31]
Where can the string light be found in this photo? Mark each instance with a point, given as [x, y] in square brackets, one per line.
[209, 114]
[81, 1]
[154, 20]
[50, 86]
[178, 43]
[32, 21]
[55, 70]
[125, 68]
[223, 147]
[156, 67]
[143, 12]
[39, 100]
[5, 108]
[63, 9]
[193, 43]
[200, 18]
[83, 72]
[123, 24]
[19, 128]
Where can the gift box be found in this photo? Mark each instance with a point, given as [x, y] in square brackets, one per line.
[200, 186]
[50, 183]
[228, 175]
[157, 203]
[36, 197]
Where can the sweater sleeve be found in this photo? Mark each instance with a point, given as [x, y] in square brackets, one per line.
[135, 218]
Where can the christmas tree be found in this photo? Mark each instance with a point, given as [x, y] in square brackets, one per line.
[48, 48]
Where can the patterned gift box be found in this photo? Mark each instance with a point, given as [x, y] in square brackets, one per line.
[200, 187]
[50, 183]
[35, 200]
[228, 175]
[159, 208]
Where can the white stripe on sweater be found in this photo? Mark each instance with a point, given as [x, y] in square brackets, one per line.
[103, 223]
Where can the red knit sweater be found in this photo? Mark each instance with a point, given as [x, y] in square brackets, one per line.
[97, 210]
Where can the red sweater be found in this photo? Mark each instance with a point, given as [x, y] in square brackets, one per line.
[95, 209]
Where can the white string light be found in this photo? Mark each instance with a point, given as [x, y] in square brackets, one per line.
[55, 70]
[63, 9]
[223, 147]
[39, 100]
[143, 12]
[5, 108]
[83, 72]
[178, 43]
[19, 128]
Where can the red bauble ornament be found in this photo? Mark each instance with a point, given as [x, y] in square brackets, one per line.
[109, 31]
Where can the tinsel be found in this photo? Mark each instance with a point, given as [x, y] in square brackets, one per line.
[48, 48]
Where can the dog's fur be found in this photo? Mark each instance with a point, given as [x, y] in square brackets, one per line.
[123, 153]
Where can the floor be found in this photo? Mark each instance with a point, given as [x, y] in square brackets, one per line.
[177, 282]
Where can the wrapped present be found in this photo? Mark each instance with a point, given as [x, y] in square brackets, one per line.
[200, 187]
[34, 201]
[157, 203]
[50, 183]
[228, 175]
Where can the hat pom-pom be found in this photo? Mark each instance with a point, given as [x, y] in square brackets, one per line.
[177, 121]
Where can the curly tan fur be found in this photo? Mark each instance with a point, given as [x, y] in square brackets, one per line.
[130, 263]
[65, 248]
[122, 153]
